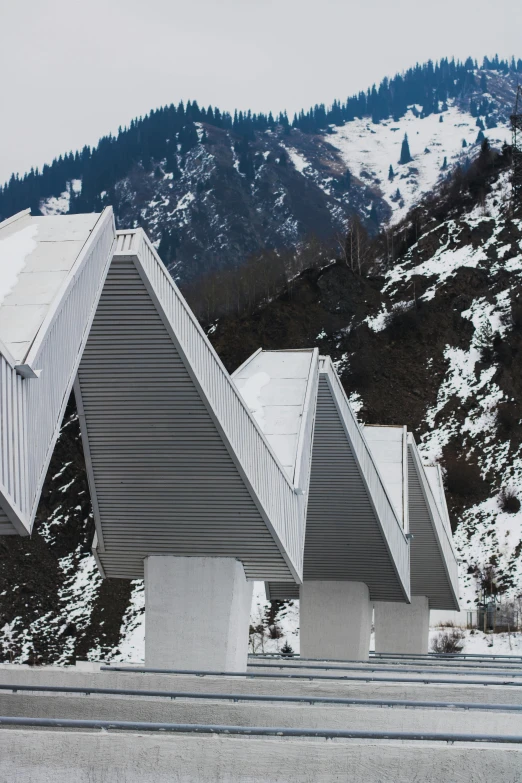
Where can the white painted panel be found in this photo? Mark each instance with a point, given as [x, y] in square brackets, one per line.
[65, 228]
[53, 256]
[285, 447]
[387, 451]
[59, 240]
[391, 472]
[36, 288]
[274, 386]
[278, 364]
[280, 391]
[282, 419]
[375, 432]
[17, 324]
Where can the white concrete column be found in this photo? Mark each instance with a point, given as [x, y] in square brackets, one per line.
[402, 628]
[335, 620]
[197, 613]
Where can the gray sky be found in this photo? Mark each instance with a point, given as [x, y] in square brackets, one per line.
[73, 70]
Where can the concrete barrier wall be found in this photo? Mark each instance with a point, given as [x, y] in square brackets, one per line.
[490, 694]
[259, 714]
[32, 756]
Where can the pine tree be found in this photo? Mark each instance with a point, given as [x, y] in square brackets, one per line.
[374, 217]
[405, 151]
[480, 137]
[287, 651]
[441, 118]
[464, 143]
[445, 164]
[391, 173]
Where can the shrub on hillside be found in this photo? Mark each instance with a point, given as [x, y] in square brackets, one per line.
[462, 478]
[509, 501]
[448, 642]
[508, 418]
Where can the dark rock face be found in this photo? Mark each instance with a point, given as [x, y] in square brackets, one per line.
[216, 216]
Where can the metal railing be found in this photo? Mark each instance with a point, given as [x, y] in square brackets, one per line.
[371, 668]
[424, 680]
[395, 662]
[276, 731]
[242, 697]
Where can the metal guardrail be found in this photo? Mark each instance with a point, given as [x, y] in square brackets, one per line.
[237, 697]
[458, 656]
[347, 677]
[370, 668]
[276, 731]
[515, 659]
[504, 665]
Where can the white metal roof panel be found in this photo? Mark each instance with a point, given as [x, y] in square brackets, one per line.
[52, 271]
[274, 385]
[388, 446]
[43, 250]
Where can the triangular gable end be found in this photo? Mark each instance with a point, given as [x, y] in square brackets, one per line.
[163, 461]
[434, 567]
[352, 531]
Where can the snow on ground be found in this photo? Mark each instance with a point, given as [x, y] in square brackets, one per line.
[299, 161]
[14, 250]
[132, 634]
[56, 205]
[60, 205]
[369, 149]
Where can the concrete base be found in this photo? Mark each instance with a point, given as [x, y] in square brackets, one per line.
[335, 620]
[35, 756]
[402, 628]
[197, 613]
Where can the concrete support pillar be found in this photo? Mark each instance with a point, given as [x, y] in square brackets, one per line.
[402, 628]
[197, 613]
[335, 620]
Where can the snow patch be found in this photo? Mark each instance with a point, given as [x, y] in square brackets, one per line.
[251, 393]
[13, 257]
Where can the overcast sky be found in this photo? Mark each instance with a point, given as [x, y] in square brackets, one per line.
[73, 70]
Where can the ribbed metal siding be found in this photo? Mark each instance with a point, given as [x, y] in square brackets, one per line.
[434, 568]
[344, 535]
[13, 454]
[163, 480]
[281, 506]
[57, 350]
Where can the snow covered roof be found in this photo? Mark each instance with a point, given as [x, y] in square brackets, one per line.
[279, 388]
[51, 276]
[388, 445]
[37, 255]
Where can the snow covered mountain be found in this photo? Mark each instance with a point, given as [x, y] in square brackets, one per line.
[212, 190]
